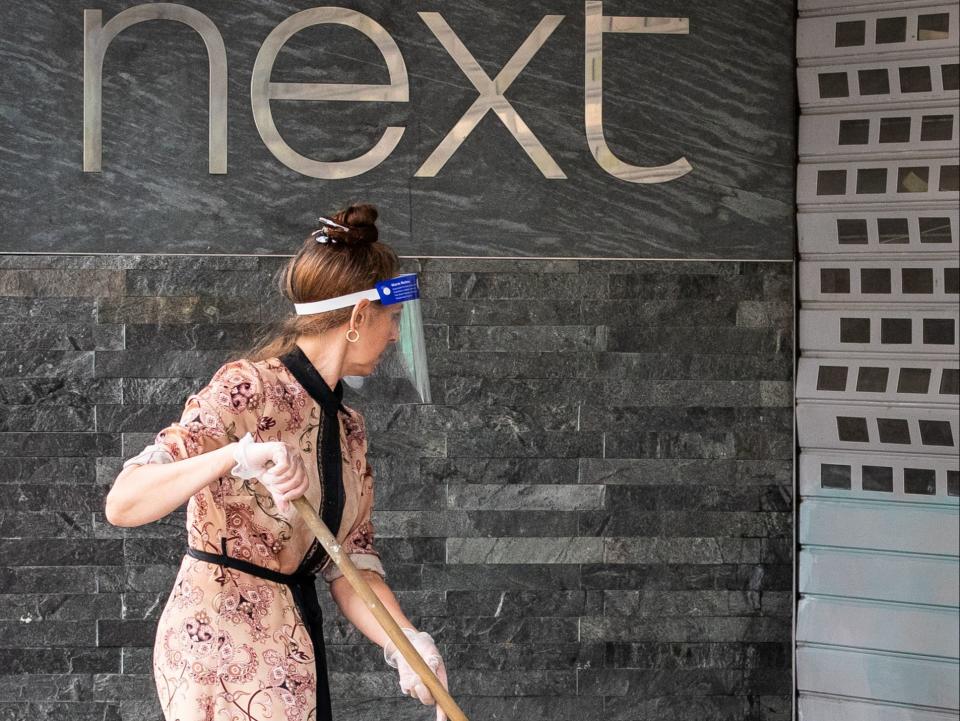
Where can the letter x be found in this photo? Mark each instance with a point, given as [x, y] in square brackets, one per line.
[491, 96]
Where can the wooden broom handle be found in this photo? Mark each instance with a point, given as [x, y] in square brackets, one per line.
[387, 622]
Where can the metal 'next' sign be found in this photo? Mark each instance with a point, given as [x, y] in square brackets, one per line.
[98, 36]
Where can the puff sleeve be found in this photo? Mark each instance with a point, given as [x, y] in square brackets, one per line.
[359, 544]
[211, 418]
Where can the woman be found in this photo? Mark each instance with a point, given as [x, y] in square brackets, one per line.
[240, 638]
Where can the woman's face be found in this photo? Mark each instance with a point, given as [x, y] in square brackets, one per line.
[378, 326]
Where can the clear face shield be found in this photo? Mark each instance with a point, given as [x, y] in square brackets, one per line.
[401, 376]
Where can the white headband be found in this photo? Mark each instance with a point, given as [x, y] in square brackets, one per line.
[343, 301]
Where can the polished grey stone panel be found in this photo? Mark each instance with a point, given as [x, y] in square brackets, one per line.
[722, 96]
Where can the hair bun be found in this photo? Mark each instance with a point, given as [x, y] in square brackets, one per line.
[361, 220]
[361, 235]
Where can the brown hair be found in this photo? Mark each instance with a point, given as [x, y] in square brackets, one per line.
[350, 261]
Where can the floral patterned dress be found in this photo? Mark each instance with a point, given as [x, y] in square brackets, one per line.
[240, 638]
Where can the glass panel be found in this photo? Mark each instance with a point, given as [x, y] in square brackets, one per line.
[949, 177]
[914, 380]
[950, 382]
[834, 476]
[854, 330]
[833, 85]
[936, 127]
[871, 180]
[951, 280]
[832, 378]
[891, 30]
[831, 182]
[953, 483]
[915, 79]
[851, 231]
[850, 34]
[935, 230]
[938, 331]
[852, 429]
[917, 280]
[854, 132]
[936, 433]
[913, 180]
[877, 478]
[834, 280]
[893, 230]
[951, 76]
[920, 480]
[872, 380]
[933, 27]
[895, 330]
[895, 130]
[874, 82]
[874, 280]
[893, 430]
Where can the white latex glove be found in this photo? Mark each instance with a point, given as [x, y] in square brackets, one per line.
[410, 682]
[277, 465]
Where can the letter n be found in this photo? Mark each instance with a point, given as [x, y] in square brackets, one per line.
[97, 38]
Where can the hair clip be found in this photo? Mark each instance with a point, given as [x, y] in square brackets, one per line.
[320, 234]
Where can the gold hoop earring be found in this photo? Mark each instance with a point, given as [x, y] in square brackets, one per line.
[356, 333]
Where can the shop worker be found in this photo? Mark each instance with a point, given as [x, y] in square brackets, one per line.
[241, 634]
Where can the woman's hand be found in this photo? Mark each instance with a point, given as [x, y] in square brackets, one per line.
[277, 465]
[410, 682]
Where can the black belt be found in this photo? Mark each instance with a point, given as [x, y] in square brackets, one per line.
[305, 598]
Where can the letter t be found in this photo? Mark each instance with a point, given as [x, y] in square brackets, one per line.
[596, 25]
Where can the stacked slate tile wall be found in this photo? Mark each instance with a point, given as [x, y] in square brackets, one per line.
[593, 518]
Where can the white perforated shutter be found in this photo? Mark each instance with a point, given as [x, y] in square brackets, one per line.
[878, 626]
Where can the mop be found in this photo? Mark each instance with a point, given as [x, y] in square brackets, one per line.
[319, 528]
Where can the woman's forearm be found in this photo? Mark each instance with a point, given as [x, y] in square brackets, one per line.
[356, 610]
[145, 493]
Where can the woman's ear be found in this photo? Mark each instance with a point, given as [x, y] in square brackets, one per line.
[360, 312]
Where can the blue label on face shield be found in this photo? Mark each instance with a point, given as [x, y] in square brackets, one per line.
[399, 289]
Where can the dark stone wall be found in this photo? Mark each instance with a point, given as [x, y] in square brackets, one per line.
[593, 518]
